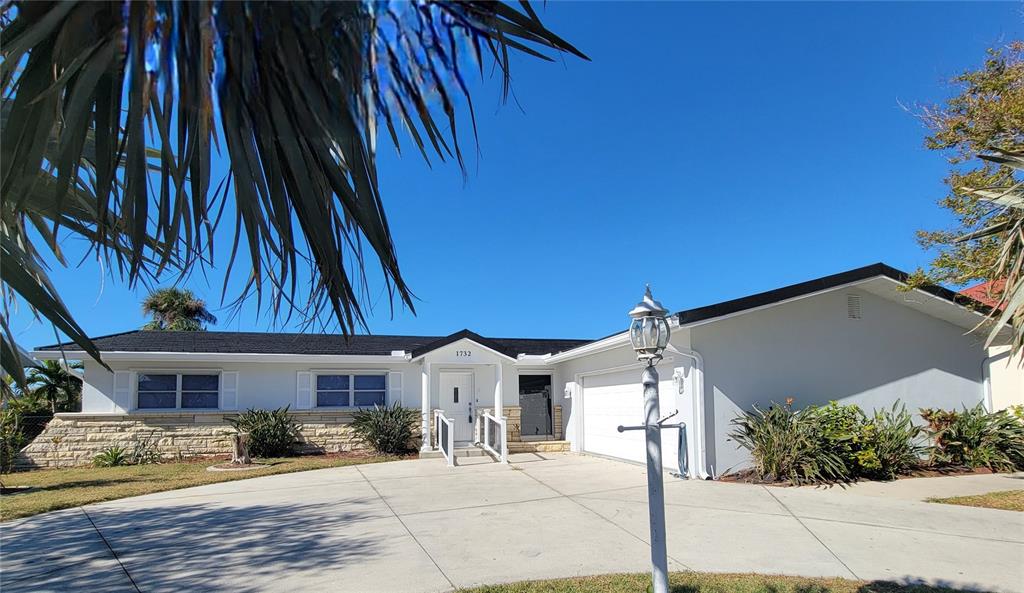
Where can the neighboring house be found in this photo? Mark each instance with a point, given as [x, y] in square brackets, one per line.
[857, 337]
[1003, 372]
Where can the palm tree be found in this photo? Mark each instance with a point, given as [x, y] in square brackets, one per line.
[1005, 223]
[176, 309]
[55, 382]
[112, 110]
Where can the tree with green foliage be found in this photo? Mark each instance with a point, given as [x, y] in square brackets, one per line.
[176, 309]
[9, 389]
[985, 117]
[987, 112]
[112, 110]
[57, 384]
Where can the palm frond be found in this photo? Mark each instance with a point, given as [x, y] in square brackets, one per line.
[113, 110]
[1009, 229]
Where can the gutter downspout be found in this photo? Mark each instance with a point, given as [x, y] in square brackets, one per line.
[698, 411]
[986, 383]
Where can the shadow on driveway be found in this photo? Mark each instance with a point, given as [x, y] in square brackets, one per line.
[187, 547]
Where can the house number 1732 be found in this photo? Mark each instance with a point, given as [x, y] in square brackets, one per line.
[463, 353]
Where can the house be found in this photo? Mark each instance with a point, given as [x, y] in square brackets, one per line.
[1006, 382]
[858, 337]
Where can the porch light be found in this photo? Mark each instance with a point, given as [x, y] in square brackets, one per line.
[649, 331]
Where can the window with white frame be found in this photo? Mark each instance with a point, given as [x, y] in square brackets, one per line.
[159, 391]
[351, 390]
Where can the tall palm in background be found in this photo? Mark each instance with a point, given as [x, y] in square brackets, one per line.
[57, 384]
[112, 110]
[176, 309]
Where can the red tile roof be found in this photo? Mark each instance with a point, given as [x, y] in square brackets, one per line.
[987, 293]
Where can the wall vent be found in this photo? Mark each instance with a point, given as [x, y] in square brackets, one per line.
[853, 306]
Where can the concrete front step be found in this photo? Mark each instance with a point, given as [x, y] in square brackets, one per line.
[538, 447]
[513, 447]
[459, 452]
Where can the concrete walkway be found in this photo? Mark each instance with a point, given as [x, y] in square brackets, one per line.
[939, 487]
[418, 526]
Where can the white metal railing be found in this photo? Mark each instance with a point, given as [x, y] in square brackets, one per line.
[445, 440]
[495, 437]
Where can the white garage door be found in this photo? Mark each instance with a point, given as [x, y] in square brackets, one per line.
[617, 398]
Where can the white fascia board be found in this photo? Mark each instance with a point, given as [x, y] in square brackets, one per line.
[592, 348]
[944, 302]
[222, 357]
[777, 303]
[533, 360]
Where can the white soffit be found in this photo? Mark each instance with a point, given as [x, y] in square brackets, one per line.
[938, 307]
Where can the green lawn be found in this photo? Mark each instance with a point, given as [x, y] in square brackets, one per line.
[1007, 500]
[697, 582]
[54, 489]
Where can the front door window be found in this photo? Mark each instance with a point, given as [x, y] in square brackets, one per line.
[535, 403]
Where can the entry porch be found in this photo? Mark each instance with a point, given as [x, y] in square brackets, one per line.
[475, 396]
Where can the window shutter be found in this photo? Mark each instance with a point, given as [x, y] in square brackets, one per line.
[394, 387]
[123, 387]
[304, 391]
[229, 390]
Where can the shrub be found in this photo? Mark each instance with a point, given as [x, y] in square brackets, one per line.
[788, 445]
[841, 429]
[836, 443]
[975, 438]
[112, 457]
[12, 439]
[828, 444]
[387, 429]
[1006, 432]
[32, 412]
[272, 433]
[144, 452]
[890, 444]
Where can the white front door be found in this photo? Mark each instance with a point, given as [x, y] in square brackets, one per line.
[457, 399]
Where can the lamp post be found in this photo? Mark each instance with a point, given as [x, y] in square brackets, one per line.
[649, 333]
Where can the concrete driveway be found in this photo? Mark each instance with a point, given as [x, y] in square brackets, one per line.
[420, 526]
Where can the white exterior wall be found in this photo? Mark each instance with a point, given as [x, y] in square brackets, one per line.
[271, 384]
[1005, 378]
[808, 349]
[266, 384]
[97, 389]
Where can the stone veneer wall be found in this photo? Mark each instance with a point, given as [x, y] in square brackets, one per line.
[513, 423]
[75, 438]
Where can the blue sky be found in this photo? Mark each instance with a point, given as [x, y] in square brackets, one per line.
[712, 150]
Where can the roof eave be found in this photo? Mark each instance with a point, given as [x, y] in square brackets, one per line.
[465, 334]
[262, 357]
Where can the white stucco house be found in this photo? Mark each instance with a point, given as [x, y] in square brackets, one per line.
[857, 337]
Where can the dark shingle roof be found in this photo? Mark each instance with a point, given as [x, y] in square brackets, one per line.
[819, 284]
[280, 343]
